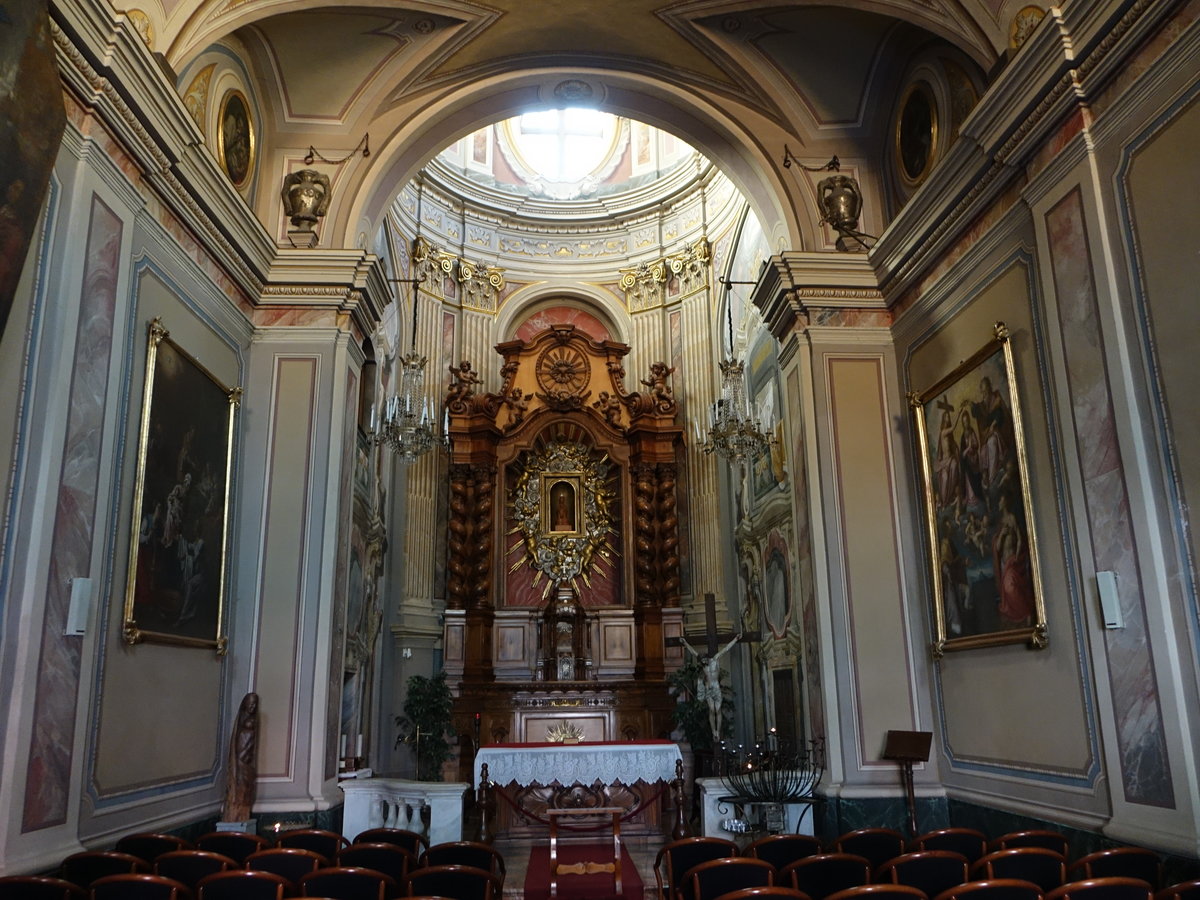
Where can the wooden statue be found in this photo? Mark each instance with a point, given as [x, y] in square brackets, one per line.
[243, 762]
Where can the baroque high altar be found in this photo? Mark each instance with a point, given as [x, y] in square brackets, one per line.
[563, 564]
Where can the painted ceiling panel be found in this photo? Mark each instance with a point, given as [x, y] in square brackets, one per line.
[325, 60]
[827, 54]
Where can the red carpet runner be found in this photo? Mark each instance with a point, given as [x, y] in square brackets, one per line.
[581, 887]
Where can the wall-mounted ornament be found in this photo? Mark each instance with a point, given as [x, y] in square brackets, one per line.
[1022, 26]
[305, 197]
[840, 201]
[236, 143]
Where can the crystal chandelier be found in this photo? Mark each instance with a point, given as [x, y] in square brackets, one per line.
[407, 426]
[734, 433]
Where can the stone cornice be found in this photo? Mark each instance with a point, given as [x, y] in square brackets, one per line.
[105, 65]
[793, 285]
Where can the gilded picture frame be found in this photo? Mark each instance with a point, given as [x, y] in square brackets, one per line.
[979, 516]
[917, 133]
[236, 143]
[175, 587]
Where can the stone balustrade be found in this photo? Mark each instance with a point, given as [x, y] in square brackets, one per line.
[400, 803]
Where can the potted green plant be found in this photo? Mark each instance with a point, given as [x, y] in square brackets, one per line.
[426, 723]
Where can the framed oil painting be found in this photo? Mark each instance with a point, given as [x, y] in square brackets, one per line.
[979, 517]
[175, 591]
[235, 138]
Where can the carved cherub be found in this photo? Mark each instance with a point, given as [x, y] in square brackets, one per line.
[609, 406]
[463, 384]
[659, 389]
[518, 403]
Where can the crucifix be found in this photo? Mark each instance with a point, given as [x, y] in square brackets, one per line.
[709, 689]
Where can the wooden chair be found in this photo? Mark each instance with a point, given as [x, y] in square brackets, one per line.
[326, 843]
[781, 849]
[85, 867]
[390, 859]
[39, 887]
[711, 879]
[674, 859]
[774, 892]
[880, 892]
[930, 871]
[996, 889]
[1047, 840]
[349, 883]
[1125, 862]
[1184, 890]
[970, 843]
[876, 845]
[411, 841]
[1045, 868]
[237, 845]
[189, 866]
[1103, 889]
[466, 853]
[291, 863]
[459, 882]
[827, 873]
[243, 884]
[138, 886]
[148, 846]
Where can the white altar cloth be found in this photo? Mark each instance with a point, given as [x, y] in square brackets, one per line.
[586, 763]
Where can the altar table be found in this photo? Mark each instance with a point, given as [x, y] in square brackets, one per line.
[532, 779]
[606, 762]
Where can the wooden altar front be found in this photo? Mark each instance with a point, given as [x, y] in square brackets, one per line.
[563, 571]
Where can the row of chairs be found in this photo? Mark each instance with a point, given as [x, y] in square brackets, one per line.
[798, 861]
[999, 889]
[379, 863]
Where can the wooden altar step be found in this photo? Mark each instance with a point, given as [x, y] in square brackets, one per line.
[642, 852]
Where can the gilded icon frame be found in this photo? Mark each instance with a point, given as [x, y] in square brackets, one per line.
[236, 143]
[555, 484]
[179, 536]
[977, 505]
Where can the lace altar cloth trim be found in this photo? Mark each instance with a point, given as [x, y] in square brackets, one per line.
[585, 763]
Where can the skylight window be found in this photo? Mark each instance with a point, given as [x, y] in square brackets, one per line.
[565, 145]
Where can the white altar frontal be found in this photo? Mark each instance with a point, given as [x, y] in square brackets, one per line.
[535, 777]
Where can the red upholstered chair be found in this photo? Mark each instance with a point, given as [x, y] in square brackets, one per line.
[39, 887]
[781, 849]
[677, 857]
[1185, 890]
[880, 892]
[459, 882]
[1048, 840]
[148, 846]
[327, 843]
[189, 866]
[711, 879]
[931, 871]
[84, 868]
[237, 845]
[411, 841]
[996, 889]
[825, 874]
[1103, 889]
[970, 843]
[1045, 868]
[774, 892]
[348, 883]
[290, 862]
[1125, 862]
[466, 853]
[243, 884]
[877, 845]
[138, 886]
[390, 859]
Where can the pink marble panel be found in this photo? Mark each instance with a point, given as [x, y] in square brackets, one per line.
[1145, 773]
[562, 315]
[48, 773]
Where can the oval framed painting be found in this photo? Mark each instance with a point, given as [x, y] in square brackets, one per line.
[235, 137]
[916, 133]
